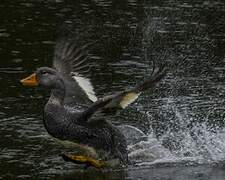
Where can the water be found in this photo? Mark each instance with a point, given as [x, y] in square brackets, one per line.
[183, 118]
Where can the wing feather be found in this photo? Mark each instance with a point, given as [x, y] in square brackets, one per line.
[85, 84]
[128, 98]
[73, 64]
[122, 99]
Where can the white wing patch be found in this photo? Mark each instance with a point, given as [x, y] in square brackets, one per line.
[128, 99]
[86, 85]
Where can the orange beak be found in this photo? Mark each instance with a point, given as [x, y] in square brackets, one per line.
[30, 80]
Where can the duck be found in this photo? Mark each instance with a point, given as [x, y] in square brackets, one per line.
[75, 116]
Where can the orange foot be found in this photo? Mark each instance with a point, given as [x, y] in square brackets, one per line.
[88, 161]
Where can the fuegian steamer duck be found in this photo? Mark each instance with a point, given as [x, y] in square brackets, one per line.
[75, 116]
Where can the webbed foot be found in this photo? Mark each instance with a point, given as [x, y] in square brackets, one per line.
[88, 161]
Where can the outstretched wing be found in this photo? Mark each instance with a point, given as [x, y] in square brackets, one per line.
[72, 63]
[122, 99]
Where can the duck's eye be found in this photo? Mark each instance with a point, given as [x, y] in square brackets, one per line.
[44, 72]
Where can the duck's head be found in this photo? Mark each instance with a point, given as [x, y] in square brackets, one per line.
[43, 76]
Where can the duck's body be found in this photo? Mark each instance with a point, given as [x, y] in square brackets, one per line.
[83, 126]
[100, 140]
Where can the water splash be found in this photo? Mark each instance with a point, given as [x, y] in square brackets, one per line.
[199, 144]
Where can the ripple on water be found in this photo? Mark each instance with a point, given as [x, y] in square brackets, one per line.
[4, 35]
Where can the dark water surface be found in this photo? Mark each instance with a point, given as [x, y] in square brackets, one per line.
[184, 117]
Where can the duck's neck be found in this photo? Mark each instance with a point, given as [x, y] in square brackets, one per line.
[58, 94]
[54, 110]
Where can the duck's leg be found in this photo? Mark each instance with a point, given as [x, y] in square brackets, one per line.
[88, 161]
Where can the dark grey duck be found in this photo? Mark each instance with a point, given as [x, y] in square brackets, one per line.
[73, 113]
